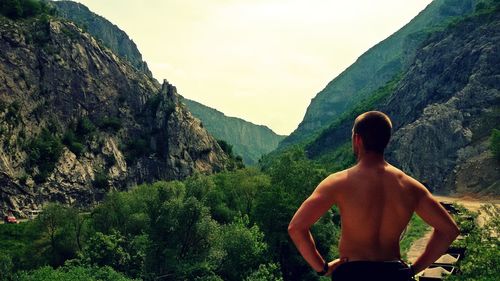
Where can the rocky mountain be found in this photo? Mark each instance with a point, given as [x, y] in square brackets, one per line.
[249, 140]
[375, 68]
[76, 120]
[110, 35]
[444, 108]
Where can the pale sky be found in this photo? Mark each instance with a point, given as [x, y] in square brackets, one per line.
[260, 60]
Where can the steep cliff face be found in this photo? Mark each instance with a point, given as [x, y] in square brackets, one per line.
[374, 68]
[112, 36]
[76, 120]
[443, 110]
[249, 140]
[445, 107]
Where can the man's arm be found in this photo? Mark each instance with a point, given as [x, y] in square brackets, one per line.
[320, 201]
[445, 229]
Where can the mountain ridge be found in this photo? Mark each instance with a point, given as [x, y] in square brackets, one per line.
[221, 126]
[249, 140]
[373, 68]
[444, 108]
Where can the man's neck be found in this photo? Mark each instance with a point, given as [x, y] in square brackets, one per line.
[371, 158]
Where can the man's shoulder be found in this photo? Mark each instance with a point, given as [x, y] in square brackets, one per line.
[336, 181]
[339, 176]
[407, 180]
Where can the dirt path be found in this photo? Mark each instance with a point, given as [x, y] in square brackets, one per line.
[470, 203]
[418, 247]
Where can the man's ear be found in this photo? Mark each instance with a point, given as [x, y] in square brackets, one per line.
[358, 140]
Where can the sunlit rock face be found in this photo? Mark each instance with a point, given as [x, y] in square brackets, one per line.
[446, 107]
[77, 121]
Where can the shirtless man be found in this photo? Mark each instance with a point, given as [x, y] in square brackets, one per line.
[376, 202]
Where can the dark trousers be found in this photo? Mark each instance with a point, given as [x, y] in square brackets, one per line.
[372, 270]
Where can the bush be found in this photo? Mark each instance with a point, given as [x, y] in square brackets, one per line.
[226, 147]
[101, 180]
[73, 273]
[15, 9]
[244, 247]
[78, 134]
[481, 262]
[137, 148]
[495, 143]
[43, 152]
[6, 267]
[266, 272]
[85, 128]
[69, 139]
[112, 124]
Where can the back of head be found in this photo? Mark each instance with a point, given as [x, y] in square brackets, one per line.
[374, 128]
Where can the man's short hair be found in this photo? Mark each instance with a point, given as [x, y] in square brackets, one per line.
[374, 127]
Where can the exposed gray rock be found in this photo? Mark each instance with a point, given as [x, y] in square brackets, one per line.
[52, 76]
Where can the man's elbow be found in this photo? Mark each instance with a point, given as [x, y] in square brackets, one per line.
[452, 232]
[294, 229]
[455, 231]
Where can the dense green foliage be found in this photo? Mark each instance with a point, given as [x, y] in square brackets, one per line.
[235, 161]
[72, 273]
[495, 143]
[77, 135]
[110, 124]
[227, 226]
[101, 180]
[16, 9]
[482, 259]
[43, 153]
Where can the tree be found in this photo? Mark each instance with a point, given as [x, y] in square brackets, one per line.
[107, 249]
[266, 272]
[244, 249]
[12, 9]
[73, 273]
[293, 178]
[6, 267]
[59, 239]
[183, 236]
[235, 193]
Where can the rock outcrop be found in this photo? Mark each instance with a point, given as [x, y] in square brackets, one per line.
[100, 28]
[76, 120]
[249, 140]
[444, 109]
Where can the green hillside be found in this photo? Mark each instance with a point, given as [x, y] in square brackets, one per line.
[249, 140]
[375, 68]
[445, 108]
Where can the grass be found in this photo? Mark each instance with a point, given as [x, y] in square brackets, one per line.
[416, 230]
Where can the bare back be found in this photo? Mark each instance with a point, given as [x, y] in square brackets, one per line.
[376, 204]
